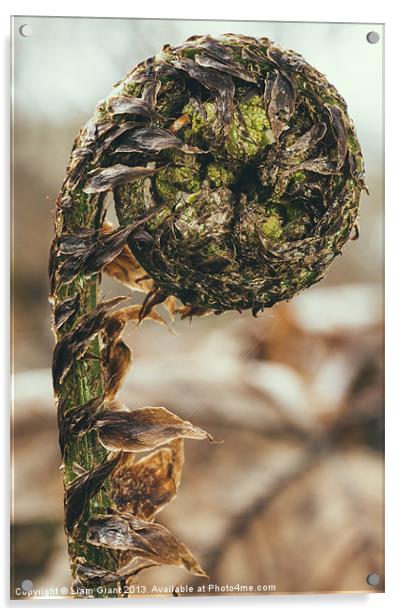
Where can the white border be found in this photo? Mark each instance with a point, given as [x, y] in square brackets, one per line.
[368, 11]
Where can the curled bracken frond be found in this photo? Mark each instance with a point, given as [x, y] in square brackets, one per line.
[142, 429]
[79, 491]
[147, 540]
[236, 174]
[144, 487]
[259, 171]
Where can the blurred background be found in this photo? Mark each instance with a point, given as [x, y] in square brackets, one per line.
[294, 495]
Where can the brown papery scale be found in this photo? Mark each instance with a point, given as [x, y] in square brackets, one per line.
[236, 175]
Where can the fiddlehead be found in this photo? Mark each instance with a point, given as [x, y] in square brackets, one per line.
[236, 175]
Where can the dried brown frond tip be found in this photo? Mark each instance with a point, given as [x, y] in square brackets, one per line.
[147, 540]
[146, 486]
[79, 491]
[142, 429]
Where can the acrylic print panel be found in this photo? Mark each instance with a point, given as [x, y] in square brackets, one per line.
[218, 182]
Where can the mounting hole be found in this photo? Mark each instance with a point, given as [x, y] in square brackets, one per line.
[26, 30]
[373, 579]
[27, 585]
[373, 37]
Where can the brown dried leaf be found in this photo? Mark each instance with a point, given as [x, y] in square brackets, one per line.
[80, 157]
[150, 91]
[114, 532]
[79, 491]
[268, 87]
[91, 250]
[51, 268]
[115, 132]
[317, 165]
[126, 269]
[93, 574]
[103, 179]
[64, 201]
[152, 140]
[65, 311]
[142, 429]
[213, 48]
[221, 84]
[79, 241]
[119, 319]
[75, 343]
[119, 361]
[154, 297]
[147, 540]
[207, 61]
[132, 106]
[340, 133]
[282, 104]
[145, 487]
[106, 248]
[307, 141]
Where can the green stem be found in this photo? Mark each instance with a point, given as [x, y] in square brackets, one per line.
[84, 382]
